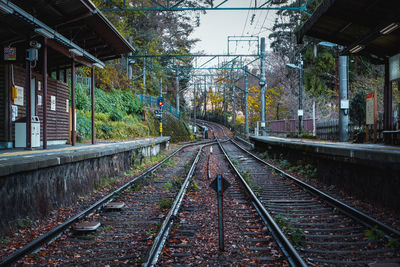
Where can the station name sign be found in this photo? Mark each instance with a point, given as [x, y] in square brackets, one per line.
[10, 53]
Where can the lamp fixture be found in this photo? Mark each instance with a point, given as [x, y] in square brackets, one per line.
[390, 28]
[76, 52]
[327, 44]
[356, 49]
[99, 65]
[45, 33]
[6, 9]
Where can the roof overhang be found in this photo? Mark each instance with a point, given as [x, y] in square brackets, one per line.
[75, 25]
[364, 27]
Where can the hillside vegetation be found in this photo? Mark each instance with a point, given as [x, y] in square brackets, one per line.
[119, 115]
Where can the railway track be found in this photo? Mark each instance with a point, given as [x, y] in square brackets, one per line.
[247, 238]
[170, 217]
[125, 235]
[150, 222]
[323, 230]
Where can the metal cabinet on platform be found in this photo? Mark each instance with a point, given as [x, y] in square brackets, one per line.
[20, 133]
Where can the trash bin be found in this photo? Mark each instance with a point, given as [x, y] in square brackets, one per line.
[20, 132]
[35, 132]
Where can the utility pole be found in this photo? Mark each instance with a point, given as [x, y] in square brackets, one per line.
[128, 61]
[343, 98]
[300, 111]
[233, 100]
[161, 108]
[160, 86]
[194, 109]
[144, 75]
[224, 103]
[177, 92]
[205, 96]
[246, 102]
[262, 83]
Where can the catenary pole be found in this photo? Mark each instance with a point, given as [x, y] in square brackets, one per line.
[343, 98]
[246, 102]
[194, 109]
[300, 112]
[177, 92]
[262, 83]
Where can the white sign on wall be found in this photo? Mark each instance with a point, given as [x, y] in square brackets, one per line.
[344, 104]
[14, 113]
[39, 100]
[370, 109]
[52, 102]
[300, 112]
[19, 100]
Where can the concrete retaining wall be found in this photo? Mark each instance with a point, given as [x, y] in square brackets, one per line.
[36, 185]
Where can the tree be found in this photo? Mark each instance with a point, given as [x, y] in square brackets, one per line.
[357, 108]
[154, 33]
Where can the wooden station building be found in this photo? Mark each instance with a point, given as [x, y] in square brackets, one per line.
[363, 27]
[40, 38]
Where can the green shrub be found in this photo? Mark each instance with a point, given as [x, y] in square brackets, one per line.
[116, 115]
[83, 124]
[106, 128]
[82, 98]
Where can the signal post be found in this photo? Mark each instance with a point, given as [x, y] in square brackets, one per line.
[159, 113]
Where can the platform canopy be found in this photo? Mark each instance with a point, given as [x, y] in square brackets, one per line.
[68, 24]
[365, 27]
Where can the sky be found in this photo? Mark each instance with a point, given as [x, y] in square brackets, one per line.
[216, 26]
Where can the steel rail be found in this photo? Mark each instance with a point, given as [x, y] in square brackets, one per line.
[55, 232]
[162, 235]
[343, 207]
[245, 141]
[293, 256]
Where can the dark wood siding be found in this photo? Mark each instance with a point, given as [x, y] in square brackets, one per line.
[57, 121]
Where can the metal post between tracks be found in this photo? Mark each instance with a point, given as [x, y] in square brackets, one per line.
[220, 196]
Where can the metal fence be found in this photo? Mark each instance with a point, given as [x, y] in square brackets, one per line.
[288, 126]
[151, 101]
[329, 130]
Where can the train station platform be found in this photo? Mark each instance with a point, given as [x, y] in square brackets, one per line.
[32, 183]
[362, 153]
[19, 160]
[368, 171]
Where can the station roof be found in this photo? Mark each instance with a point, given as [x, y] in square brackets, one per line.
[366, 27]
[79, 21]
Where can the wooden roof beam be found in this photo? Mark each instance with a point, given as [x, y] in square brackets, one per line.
[63, 50]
